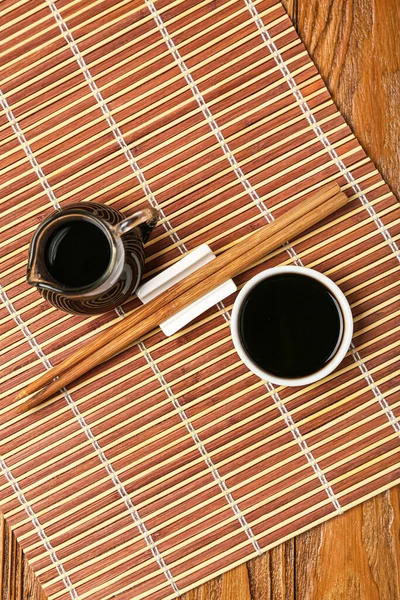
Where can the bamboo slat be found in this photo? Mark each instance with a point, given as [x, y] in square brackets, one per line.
[172, 463]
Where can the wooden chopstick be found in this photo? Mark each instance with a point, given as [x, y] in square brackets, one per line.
[241, 247]
[240, 257]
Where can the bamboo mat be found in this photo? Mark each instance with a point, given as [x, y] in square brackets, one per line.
[172, 463]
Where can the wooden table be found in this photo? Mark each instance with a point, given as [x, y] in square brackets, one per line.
[356, 47]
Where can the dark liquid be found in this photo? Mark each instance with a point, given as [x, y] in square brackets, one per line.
[77, 253]
[291, 325]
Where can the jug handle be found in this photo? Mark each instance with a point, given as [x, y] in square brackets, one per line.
[147, 216]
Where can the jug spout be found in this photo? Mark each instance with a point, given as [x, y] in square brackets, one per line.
[36, 279]
[33, 278]
[36, 273]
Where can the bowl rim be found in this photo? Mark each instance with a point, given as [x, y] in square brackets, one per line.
[340, 352]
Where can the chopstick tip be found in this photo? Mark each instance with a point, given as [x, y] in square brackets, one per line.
[31, 403]
[21, 395]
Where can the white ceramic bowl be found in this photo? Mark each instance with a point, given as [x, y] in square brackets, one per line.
[335, 360]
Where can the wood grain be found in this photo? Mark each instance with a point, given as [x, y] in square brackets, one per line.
[354, 44]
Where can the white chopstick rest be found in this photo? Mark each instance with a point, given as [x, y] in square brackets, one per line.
[181, 269]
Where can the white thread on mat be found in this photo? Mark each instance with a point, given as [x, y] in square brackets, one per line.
[304, 446]
[28, 151]
[213, 124]
[24, 328]
[125, 497]
[100, 453]
[113, 125]
[201, 448]
[7, 473]
[203, 106]
[289, 419]
[39, 529]
[269, 217]
[348, 175]
[375, 389]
